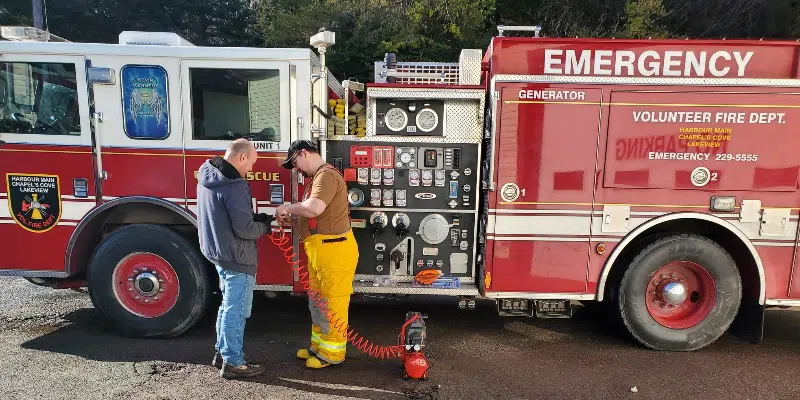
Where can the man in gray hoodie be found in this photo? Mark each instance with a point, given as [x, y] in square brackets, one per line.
[228, 230]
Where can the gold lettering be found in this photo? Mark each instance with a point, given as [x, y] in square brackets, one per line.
[257, 176]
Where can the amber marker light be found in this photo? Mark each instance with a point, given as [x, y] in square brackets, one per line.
[601, 248]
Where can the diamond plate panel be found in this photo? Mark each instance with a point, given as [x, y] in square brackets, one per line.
[469, 69]
[406, 288]
[623, 80]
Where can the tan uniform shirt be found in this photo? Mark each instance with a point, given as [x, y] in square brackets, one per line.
[328, 186]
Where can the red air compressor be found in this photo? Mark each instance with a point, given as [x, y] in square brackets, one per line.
[412, 340]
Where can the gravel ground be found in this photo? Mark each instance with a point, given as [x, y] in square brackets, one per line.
[54, 345]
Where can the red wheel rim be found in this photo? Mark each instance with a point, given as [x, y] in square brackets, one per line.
[680, 295]
[145, 284]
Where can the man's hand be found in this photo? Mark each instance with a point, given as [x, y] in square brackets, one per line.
[265, 218]
[282, 214]
[282, 211]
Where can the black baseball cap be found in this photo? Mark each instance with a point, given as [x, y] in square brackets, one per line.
[294, 150]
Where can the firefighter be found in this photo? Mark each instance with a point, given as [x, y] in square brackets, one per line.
[323, 219]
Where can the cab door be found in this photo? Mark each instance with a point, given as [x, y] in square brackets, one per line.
[45, 159]
[228, 99]
[140, 133]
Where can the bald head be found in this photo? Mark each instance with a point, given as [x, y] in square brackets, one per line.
[242, 155]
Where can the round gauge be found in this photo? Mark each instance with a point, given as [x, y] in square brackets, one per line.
[375, 194]
[412, 164]
[401, 195]
[412, 151]
[413, 174]
[362, 172]
[387, 194]
[399, 164]
[355, 197]
[376, 174]
[405, 158]
[388, 173]
[427, 120]
[399, 150]
[426, 174]
[440, 174]
[396, 119]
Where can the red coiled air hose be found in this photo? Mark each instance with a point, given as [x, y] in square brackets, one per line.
[283, 242]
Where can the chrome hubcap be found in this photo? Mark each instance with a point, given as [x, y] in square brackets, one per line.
[674, 293]
[146, 284]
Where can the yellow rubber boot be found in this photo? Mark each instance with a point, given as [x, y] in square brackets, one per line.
[304, 354]
[316, 363]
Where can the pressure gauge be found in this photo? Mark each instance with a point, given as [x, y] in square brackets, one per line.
[427, 120]
[396, 119]
[413, 177]
[427, 174]
[375, 197]
[388, 197]
[400, 195]
[405, 158]
[376, 173]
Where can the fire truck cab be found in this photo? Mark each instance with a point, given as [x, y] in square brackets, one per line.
[654, 179]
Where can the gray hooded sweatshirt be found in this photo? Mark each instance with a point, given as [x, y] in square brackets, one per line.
[226, 226]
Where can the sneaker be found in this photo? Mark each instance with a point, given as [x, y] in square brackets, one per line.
[245, 371]
[217, 361]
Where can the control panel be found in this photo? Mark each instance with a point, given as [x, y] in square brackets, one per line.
[413, 206]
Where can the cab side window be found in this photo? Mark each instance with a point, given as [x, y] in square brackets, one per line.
[229, 104]
[39, 98]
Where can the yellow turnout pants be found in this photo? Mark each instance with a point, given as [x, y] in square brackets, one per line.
[332, 261]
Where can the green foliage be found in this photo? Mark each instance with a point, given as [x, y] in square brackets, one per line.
[418, 30]
[644, 18]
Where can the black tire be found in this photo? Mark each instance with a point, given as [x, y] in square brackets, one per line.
[190, 268]
[634, 285]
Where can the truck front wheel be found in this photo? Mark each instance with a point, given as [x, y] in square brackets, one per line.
[149, 281]
[681, 293]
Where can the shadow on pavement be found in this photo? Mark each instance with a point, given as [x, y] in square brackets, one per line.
[459, 344]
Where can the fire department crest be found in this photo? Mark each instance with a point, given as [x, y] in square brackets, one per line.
[34, 201]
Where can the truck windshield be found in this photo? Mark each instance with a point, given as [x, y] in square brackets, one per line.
[39, 98]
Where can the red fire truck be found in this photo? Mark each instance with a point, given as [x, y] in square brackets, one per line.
[653, 178]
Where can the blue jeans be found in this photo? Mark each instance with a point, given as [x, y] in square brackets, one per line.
[237, 303]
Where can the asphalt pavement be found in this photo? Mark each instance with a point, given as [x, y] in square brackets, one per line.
[55, 345]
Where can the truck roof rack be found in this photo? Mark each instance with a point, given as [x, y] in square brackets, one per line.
[28, 34]
[467, 71]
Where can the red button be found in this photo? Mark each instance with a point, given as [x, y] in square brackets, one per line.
[350, 175]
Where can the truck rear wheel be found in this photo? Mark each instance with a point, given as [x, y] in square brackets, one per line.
[681, 293]
[149, 281]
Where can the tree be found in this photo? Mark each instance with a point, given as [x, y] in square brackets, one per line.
[644, 18]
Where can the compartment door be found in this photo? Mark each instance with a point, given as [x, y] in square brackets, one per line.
[546, 152]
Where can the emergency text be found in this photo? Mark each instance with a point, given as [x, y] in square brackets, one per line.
[670, 63]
